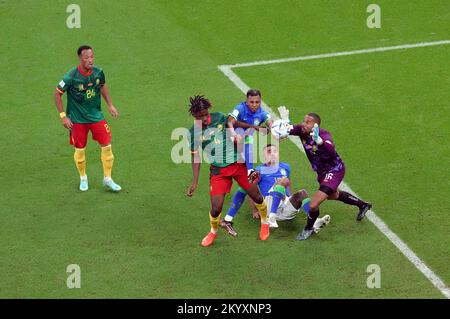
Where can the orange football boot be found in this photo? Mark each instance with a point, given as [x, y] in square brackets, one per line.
[208, 240]
[264, 232]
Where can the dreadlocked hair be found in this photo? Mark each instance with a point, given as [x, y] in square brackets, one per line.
[198, 103]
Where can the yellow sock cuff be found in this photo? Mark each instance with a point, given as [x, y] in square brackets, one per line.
[214, 221]
[80, 160]
[262, 209]
[80, 152]
[107, 153]
[107, 160]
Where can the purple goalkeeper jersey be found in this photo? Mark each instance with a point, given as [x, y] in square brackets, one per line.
[323, 158]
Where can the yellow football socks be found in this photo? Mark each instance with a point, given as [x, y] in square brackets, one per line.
[107, 160]
[262, 209]
[214, 221]
[80, 160]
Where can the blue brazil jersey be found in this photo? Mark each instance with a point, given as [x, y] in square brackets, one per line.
[269, 175]
[242, 113]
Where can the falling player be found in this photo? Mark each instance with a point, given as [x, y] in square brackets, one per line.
[330, 169]
[274, 183]
[83, 85]
[211, 134]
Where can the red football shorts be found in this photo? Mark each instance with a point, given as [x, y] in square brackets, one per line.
[100, 133]
[221, 178]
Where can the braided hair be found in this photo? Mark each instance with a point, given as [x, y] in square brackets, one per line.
[198, 103]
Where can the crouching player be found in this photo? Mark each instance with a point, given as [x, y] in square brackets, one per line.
[273, 181]
[210, 133]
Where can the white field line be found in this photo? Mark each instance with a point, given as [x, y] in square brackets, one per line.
[335, 54]
[377, 221]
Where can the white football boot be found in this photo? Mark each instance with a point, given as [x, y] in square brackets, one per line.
[272, 220]
[109, 184]
[321, 223]
[84, 186]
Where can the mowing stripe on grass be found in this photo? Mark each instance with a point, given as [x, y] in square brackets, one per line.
[377, 221]
[335, 54]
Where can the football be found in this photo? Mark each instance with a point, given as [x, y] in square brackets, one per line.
[280, 129]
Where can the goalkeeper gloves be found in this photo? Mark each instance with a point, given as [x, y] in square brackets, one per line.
[284, 113]
[315, 134]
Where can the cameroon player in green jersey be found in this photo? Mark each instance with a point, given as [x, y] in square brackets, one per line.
[211, 135]
[84, 84]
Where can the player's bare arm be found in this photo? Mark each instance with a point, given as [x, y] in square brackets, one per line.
[235, 123]
[265, 127]
[59, 106]
[195, 158]
[255, 213]
[112, 109]
[231, 121]
[230, 124]
[284, 181]
[268, 124]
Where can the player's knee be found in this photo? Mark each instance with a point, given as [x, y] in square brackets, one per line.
[334, 195]
[107, 153]
[299, 196]
[302, 194]
[79, 155]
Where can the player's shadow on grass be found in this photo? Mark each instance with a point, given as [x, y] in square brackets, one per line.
[288, 229]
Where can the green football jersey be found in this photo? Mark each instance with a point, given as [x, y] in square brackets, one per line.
[213, 140]
[83, 94]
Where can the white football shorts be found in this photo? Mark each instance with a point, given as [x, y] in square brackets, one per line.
[285, 210]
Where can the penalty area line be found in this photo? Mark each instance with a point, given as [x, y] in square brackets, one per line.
[336, 54]
[420, 265]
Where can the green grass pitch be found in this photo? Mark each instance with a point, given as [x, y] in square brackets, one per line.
[388, 113]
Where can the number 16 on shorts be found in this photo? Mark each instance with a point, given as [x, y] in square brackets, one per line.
[328, 177]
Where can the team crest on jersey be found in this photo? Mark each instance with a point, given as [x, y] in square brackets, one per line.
[283, 172]
[314, 148]
[256, 122]
[220, 127]
[97, 81]
[81, 87]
